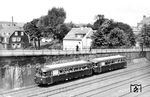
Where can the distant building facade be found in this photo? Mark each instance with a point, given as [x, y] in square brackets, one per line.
[14, 37]
[78, 38]
[145, 20]
[137, 29]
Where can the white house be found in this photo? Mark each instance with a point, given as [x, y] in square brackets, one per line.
[80, 37]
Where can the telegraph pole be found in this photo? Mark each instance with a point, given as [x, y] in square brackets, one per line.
[143, 38]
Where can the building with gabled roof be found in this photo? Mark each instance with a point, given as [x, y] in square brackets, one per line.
[13, 37]
[78, 37]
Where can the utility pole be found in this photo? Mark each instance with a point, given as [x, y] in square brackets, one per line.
[143, 38]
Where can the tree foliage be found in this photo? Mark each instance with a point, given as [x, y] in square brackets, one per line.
[52, 22]
[33, 31]
[144, 36]
[99, 21]
[112, 34]
[51, 25]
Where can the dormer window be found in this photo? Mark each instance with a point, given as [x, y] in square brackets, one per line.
[79, 35]
[16, 33]
[22, 33]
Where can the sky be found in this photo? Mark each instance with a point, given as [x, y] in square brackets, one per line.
[77, 11]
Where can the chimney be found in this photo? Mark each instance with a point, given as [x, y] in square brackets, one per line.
[81, 28]
[12, 21]
[144, 16]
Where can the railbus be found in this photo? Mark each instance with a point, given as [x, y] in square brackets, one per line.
[50, 74]
[105, 64]
[59, 72]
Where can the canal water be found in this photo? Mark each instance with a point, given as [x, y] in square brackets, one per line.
[17, 72]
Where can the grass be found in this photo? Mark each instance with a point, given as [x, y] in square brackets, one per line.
[52, 45]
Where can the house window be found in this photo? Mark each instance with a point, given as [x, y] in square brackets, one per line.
[13, 45]
[19, 45]
[3, 33]
[22, 33]
[13, 39]
[16, 33]
[18, 39]
[5, 39]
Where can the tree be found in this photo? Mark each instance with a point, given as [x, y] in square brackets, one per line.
[62, 31]
[117, 38]
[112, 34]
[144, 36]
[100, 39]
[52, 21]
[128, 30]
[99, 21]
[50, 25]
[33, 31]
[70, 25]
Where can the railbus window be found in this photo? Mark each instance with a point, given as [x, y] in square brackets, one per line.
[64, 70]
[118, 60]
[60, 71]
[70, 69]
[84, 67]
[103, 64]
[107, 62]
[67, 70]
[96, 64]
[88, 66]
[75, 68]
[122, 60]
[79, 68]
[55, 72]
[112, 61]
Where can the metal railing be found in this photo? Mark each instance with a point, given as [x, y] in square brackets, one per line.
[64, 52]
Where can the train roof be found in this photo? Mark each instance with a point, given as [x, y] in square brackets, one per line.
[106, 58]
[62, 65]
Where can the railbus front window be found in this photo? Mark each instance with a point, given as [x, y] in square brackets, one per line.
[49, 73]
[44, 74]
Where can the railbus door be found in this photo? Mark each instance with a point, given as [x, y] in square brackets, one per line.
[103, 67]
[99, 67]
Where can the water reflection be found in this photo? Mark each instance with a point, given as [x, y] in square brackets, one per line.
[17, 73]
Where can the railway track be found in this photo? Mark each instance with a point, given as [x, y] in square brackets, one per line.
[28, 88]
[36, 91]
[145, 89]
[34, 86]
[112, 86]
[89, 90]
